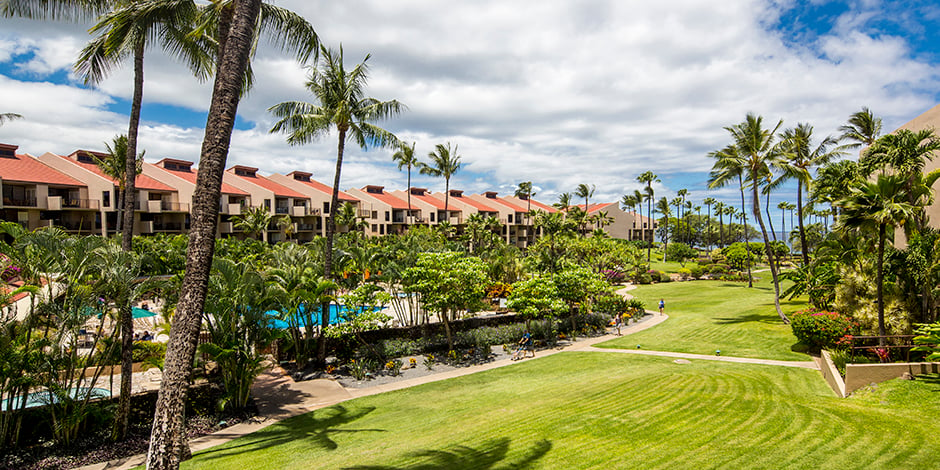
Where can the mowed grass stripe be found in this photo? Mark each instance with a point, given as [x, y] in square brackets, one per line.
[705, 316]
[594, 410]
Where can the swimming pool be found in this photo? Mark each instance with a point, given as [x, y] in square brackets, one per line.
[43, 398]
[335, 311]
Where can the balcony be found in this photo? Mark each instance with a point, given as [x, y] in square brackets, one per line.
[364, 213]
[167, 226]
[456, 220]
[81, 226]
[144, 227]
[281, 210]
[305, 227]
[298, 211]
[19, 202]
[313, 212]
[174, 206]
[225, 227]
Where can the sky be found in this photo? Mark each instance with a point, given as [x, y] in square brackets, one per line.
[552, 91]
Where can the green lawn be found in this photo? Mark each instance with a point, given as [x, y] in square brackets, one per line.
[705, 316]
[607, 410]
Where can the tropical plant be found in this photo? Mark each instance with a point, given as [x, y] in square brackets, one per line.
[286, 224]
[821, 329]
[877, 207]
[405, 158]
[253, 221]
[524, 191]
[862, 129]
[649, 178]
[343, 105]
[115, 166]
[536, 298]
[361, 312]
[662, 206]
[444, 163]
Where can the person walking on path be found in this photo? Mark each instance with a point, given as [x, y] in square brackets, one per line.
[618, 322]
[662, 306]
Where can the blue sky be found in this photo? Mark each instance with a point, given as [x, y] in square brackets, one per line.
[555, 92]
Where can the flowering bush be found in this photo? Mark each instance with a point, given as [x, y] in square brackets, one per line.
[821, 329]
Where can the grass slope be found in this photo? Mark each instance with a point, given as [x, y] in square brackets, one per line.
[605, 410]
[705, 316]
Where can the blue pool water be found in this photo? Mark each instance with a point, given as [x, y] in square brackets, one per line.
[335, 311]
[42, 398]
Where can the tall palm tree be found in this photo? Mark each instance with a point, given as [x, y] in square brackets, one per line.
[126, 31]
[629, 202]
[720, 210]
[7, 117]
[444, 163]
[564, 202]
[879, 206]
[681, 194]
[115, 166]
[524, 191]
[649, 178]
[405, 158]
[801, 159]
[861, 130]
[904, 153]
[708, 202]
[662, 206]
[586, 192]
[759, 157]
[168, 445]
[784, 206]
[729, 165]
[834, 181]
[343, 105]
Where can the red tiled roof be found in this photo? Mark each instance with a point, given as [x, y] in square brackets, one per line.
[544, 207]
[141, 182]
[437, 203]
[277, 189]
[505, 203]
[479, 206]
[191, 176]
[598, 206]
[328, 190]
[388, 199]
[30, 170]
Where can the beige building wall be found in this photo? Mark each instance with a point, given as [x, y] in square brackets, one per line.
[95, 183]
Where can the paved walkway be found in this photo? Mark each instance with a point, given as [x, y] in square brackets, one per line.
[279, 397]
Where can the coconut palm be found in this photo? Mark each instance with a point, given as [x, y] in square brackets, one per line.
[681, 194]
[444, 163]
[801, 159]
[7, 117]
[729, 165]
[524, 191]
[662, 206]
[253, 221]
[405, 158]
[586, 192]
[115, 166]
[649, 178]
[904, 153]
[880, 206]
[720, 210]
[344, 106]
[834, 181]
[708, 202]
[168, 444]
[564, 202]
[862, 130]
[759, 157]
[784, 206]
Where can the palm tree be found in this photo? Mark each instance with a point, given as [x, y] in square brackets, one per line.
[168, 444]
[405, 158]
[681, 194]
[115, 166]
[758, 157]
[662, 206]
[630, 202]
[905, 153]
[444, 163]
[586, 192]
[784, 206]
[709, 202]
[878, 206]
[649, 178]
[524, 191]
[6, 117]
[343, 105]
[564, 202]
[834, 182]
[720, 210]
[286, 225]
[253, 221]
[730, 166]
[126, 31]
[801, 159]
[862, 129]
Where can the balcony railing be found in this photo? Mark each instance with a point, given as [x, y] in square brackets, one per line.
[365, 213]
[168, 227]
[305, 227]
[281, 210]
[174, 206]
[19, 202]
[81, 203]
[79, 226]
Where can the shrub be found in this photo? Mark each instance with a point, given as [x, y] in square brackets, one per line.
[644, 279]
[821, 329]
[611, 304]
[696, 271]
[654, 274]
[664, 277]
[717, 269]
[144, 350]
[612, 276]
[685, 273]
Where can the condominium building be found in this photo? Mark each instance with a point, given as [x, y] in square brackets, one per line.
[618, 223]
[280, 201]
[319, 195]
[384, 213]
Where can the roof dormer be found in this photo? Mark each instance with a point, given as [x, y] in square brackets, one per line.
[456, 193]
[490, 194]
[300, 176]
[418, 191]
[8, 151]
[246, 171]
[372, 189]
[87, 156]
[173, 164]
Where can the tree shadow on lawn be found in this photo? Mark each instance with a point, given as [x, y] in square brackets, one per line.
[751, 318]
[490, 455]
[315, 427]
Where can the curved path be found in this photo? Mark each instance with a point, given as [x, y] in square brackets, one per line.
[279, 397]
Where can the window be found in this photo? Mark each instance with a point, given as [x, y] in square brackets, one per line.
[375, 214]
[374, 228]
[106, 198]
[388, 216]
[326, 207]
[381, 229]
[432, 216]
[267, 204]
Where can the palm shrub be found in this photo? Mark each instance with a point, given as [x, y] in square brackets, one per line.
[928, 340]
[820, 329]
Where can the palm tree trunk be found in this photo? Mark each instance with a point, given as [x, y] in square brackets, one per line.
[771, 259]
[770, 222]
[410, 221]
[122, 416]
[168, 441]
[721, 229]
[799, 218]
[747, 245]
[447, 200]
[328, 255]
[882, 228]
[649, 214]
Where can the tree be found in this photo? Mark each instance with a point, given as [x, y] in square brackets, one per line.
[662, 206]
[905, 153]
[649, 178]
[877, 207]
[286, 225]
[801, 159]
[862, 129]
[7, 117]
[444, 163]
[564, 202]
[720, 210]
[349, 218]
[758, 158]
[834, 182]
[115, 166]
[729, 165]
[253, 221]
[524, 191]
[586, 192]
[344, 106]
[709, 202]
[681, 194]
[167, 441]
[405, 158]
